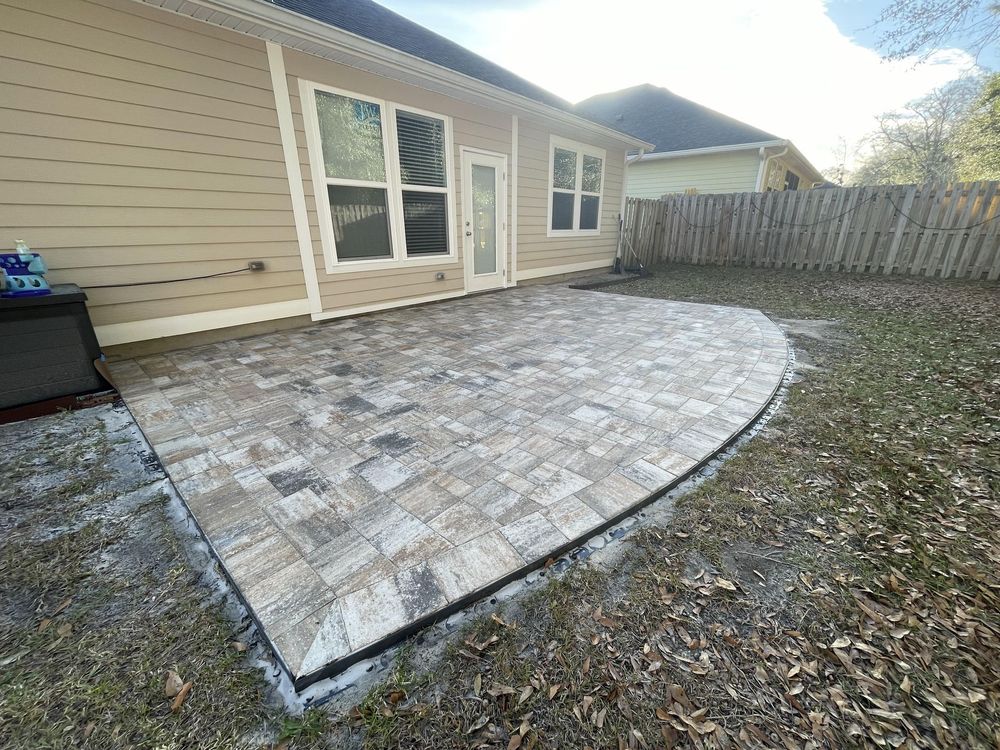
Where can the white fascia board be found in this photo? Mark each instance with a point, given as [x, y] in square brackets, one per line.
[707, 150]
[296, 31]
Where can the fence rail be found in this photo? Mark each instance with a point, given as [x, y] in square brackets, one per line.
[942, 231]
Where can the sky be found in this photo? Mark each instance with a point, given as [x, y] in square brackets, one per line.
[805, 70]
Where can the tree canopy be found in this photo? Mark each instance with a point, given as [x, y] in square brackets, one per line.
[951, 134]
[977, 138]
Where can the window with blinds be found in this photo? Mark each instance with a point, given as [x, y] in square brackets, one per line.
[388, 177]
[423, 172]
[425, 221]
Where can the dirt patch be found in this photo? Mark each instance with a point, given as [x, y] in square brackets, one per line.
[760, 571]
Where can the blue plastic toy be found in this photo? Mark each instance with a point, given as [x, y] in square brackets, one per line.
[21, 273]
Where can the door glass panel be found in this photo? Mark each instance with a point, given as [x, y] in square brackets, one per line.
[484, 219]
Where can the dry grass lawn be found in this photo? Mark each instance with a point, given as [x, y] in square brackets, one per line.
[836, 584]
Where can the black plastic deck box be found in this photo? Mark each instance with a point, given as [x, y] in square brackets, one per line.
[47, 347]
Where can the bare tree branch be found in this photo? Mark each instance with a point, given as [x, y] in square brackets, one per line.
[916, 28]
[917, 144]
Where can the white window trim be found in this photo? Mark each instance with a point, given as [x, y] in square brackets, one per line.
[393, 185]
[581, 149]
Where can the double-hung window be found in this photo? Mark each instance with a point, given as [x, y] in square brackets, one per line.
[576, 182]
[423, 172]
[383, 180]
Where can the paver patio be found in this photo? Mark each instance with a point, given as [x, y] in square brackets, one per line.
[359, 477]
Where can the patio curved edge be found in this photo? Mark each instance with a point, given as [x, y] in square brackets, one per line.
[772, 366]
[466, 443]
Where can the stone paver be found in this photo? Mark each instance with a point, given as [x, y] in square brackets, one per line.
[359, 476]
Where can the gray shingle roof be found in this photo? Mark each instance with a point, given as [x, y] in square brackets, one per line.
[372, 21]
[672, 122]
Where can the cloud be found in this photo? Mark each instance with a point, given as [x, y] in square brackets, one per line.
[780, 65]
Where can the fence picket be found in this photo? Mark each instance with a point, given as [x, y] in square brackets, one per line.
[969, 266]
[958, 239]
[938, 205]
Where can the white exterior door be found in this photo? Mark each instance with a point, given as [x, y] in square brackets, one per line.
[484, 219]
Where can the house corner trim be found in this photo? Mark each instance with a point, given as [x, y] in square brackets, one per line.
[286, 127]
[512, 274]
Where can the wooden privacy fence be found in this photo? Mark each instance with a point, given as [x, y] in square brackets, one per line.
[944, 231]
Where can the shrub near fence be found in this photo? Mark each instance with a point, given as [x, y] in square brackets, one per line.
[943, 231]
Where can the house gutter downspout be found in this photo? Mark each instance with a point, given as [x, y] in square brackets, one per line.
[764, 161]
[621, 213]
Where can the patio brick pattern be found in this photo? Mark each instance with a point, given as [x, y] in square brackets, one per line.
[359, 475]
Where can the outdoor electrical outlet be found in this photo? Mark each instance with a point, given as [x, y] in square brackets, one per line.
[439, 276]
[256, 265]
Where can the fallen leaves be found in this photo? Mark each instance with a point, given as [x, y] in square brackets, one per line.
[478, 724]
[599, 617]
[172, 684]
[176, 689]
[181, 696]
[683, 716]
[833, 585]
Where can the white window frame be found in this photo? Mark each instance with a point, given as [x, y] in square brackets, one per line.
[578, 192]
[393, 184]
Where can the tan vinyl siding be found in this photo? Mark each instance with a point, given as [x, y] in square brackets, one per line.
[473, 126]
[137, 145]
[727, 172]
[535, 249]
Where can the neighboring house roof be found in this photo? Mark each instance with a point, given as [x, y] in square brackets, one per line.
[372, 21]
[671, 122]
